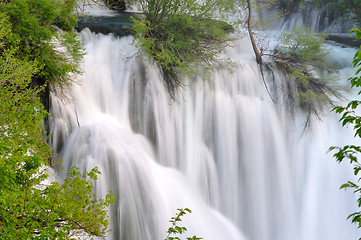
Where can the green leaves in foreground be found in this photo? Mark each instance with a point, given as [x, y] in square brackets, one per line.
[351, 152]
[54, 211]
[174, 229]
[38, 28]
[30, 208]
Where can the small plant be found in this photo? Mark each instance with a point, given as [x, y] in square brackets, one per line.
[175, 230]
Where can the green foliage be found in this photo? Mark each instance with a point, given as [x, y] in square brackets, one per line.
[351, 152]
[28, 208]
[175, 229]
[21, 115]
[180, 36]
[119, 5]
[33, 27]
[54, 211]
[303, 45]
[301, 57]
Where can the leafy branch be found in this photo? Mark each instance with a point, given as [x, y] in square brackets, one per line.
[175, 229]
[351, 152]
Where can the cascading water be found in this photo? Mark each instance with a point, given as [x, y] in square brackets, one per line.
[318, 20]
[222, 149]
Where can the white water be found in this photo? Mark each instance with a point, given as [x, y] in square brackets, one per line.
[223, 149]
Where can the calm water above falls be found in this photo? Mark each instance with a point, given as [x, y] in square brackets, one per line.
[222, 149]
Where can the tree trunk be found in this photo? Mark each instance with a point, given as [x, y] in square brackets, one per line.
[255, 49]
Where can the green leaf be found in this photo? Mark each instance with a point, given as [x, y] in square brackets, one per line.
[345, 185]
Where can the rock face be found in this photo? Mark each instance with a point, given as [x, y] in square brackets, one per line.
[344, 39]
[118, 25]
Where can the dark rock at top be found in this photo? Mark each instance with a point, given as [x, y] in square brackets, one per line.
[118, 25]
[344, 39]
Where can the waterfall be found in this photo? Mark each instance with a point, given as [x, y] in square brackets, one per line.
[318, 19]
[223, 149]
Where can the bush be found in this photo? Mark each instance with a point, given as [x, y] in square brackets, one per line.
[180, 36]
[301, 57]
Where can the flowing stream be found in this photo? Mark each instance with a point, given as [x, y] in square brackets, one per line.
[223, 148]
